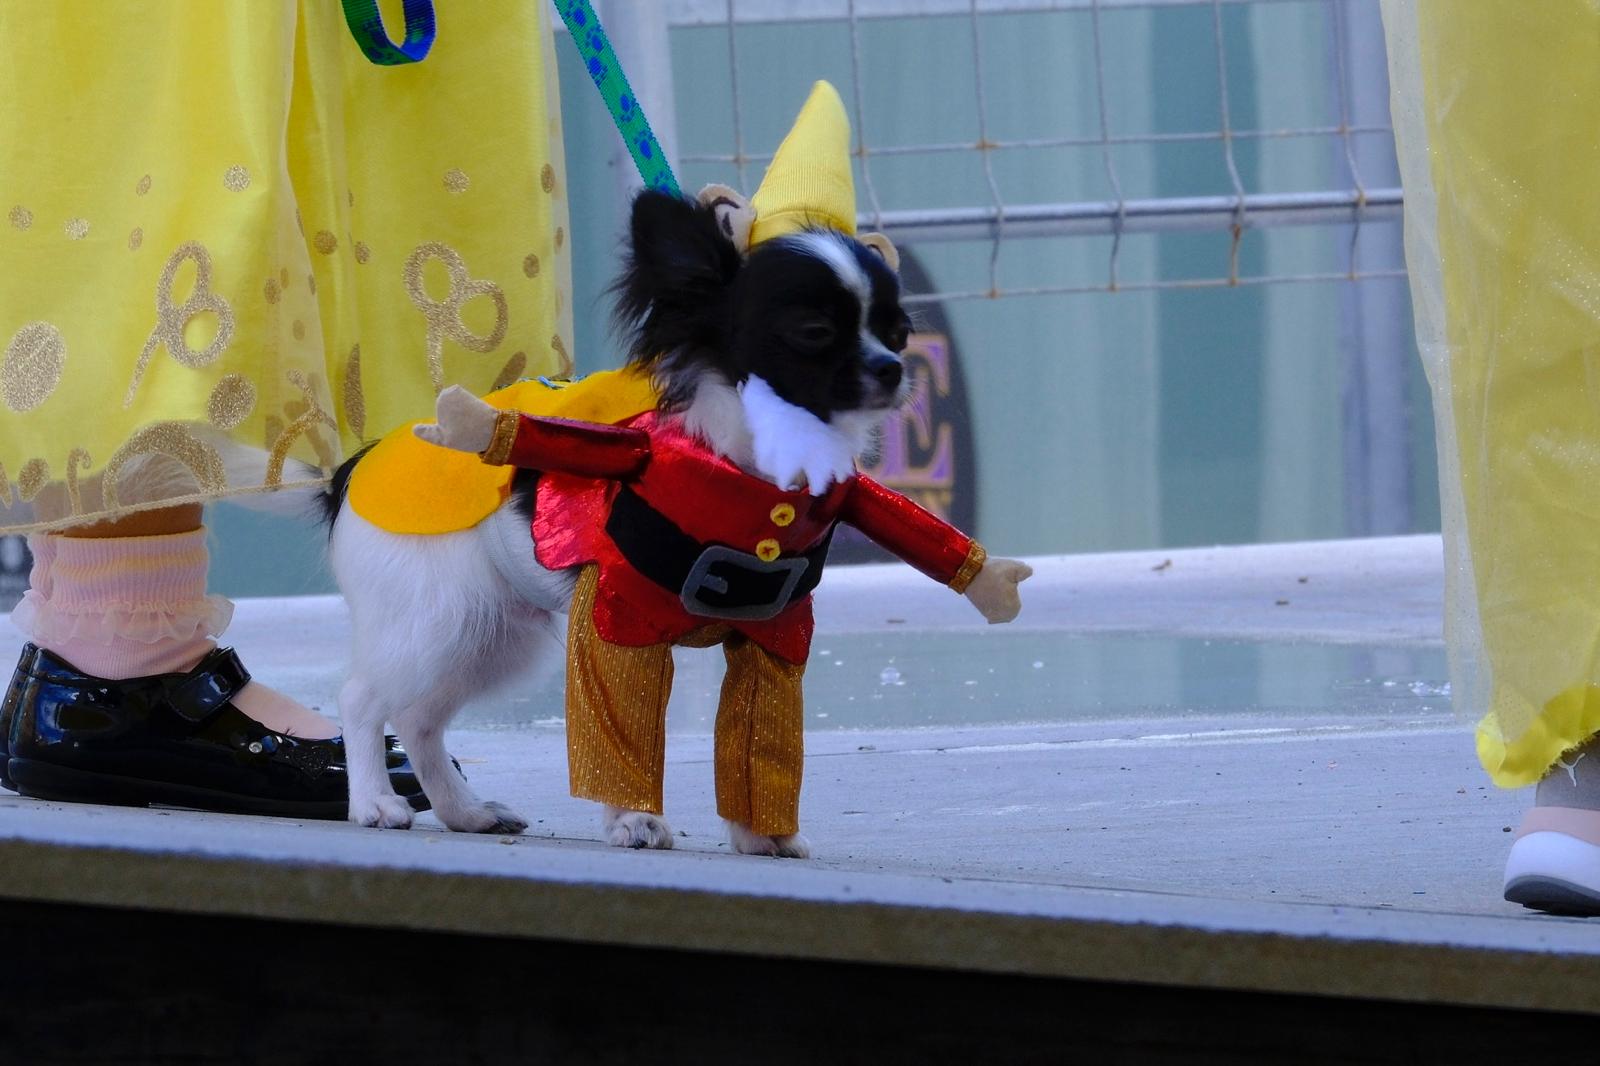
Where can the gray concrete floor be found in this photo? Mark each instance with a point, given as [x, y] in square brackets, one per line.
[1125, 835]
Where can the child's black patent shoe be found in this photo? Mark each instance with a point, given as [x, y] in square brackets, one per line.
[172, 739]
[8, 709]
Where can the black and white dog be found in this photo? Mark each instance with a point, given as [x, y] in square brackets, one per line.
[783, 359]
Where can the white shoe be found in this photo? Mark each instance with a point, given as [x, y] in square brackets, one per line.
[1554, 865]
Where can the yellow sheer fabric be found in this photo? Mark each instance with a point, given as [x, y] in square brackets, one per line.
[231, 241]
[1497, 106]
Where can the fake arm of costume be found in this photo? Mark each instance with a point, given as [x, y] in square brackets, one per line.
[913, 533]
[564, 446]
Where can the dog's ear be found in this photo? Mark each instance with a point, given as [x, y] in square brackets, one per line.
[734, 214]
[678, 248]
[678, 271]
[884, 247]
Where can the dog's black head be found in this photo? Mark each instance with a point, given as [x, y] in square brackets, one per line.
[816, 314]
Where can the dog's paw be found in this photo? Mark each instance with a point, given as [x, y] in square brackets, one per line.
[487, 817]
[792, 846]
[635, 829]
[382, 812]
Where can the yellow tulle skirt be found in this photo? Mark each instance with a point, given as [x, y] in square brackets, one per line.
[232, 248]
[1497, 120]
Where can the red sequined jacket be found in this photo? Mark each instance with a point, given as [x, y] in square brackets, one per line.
[684, 538]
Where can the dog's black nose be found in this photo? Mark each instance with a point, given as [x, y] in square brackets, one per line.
[887, 369]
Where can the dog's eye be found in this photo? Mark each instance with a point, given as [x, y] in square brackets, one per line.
[817, 333]
[899, 338]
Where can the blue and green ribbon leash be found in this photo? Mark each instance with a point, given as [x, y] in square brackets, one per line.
[605, 70]
[366, 25]
[583, 26]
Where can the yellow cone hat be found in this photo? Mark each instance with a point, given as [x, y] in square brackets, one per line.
[809, 182]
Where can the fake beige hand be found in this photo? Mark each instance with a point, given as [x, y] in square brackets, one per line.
[465, 422]
[994, 591]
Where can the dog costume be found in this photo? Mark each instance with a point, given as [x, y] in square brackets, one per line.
[676, 545]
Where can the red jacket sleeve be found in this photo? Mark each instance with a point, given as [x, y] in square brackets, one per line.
[913, 533]
[564, 446]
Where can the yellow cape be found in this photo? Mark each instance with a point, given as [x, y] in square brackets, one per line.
[406, 485]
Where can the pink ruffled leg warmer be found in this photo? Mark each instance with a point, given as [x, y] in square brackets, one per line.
[121, 607]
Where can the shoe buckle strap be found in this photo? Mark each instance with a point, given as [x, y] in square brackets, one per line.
[210, 685]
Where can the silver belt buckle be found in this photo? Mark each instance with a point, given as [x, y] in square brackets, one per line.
[703, 578]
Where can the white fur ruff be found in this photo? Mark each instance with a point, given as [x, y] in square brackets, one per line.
[792, 446]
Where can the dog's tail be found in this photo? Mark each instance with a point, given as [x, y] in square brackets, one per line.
[309, 492]
[331, 499]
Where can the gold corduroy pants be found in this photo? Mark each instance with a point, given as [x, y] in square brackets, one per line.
[617, 717]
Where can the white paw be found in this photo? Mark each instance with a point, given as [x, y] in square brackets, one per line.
[483, 818]
[792, 846]
[635, 829]
[383, 812]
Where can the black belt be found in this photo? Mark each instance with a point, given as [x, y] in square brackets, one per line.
[713, 581]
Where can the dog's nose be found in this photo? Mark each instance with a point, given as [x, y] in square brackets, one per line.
[887, 369]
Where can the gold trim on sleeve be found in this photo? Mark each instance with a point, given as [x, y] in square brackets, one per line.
[976, 557]
[505, 435]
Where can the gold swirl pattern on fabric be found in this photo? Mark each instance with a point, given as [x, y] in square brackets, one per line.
[511, 372]
[20, 217]
[32, 366]
[272, 429]
[272, 291]
[236, 179]
[444, 316]
[561, 237]
[456, 180]
[363, 253]
[232, 400]
[311, 283]
[325, 242]
[172, 319]
[547, 178]
[34, 477]
[567, 366]
[304, 425]
[530, 265]
[77, 458]
[174, 440]
[6, 497]
[299, 330]
[310, 387]
[143, 186]
[355, 401]
[76, 229]
[135, 239]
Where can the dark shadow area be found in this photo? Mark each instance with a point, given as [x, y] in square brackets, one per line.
[86, 985]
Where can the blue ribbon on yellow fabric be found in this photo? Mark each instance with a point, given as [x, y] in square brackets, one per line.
[583, 27]
[366, 25]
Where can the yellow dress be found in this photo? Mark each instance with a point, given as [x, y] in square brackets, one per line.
[1496, 109]
[231, 241]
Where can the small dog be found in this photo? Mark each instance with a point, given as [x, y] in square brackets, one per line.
[782, 361]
